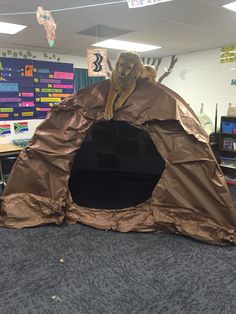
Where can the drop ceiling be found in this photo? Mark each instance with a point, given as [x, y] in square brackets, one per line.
[180, 26]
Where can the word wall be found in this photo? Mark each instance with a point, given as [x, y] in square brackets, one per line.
[30, 88]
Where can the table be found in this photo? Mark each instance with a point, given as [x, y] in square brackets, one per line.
[9, 149]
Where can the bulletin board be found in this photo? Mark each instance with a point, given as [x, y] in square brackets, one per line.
[52, 82]
[30, 88]
[16, 89]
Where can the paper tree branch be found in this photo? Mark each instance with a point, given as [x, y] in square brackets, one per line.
[171, 66]
[45, 18]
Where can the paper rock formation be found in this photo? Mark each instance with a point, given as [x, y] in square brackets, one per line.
[190, 196]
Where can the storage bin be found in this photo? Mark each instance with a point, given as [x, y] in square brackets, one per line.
[228, 143]
[228, 162]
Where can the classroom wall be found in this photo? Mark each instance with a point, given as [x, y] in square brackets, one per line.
[79, 62]
[198, 77]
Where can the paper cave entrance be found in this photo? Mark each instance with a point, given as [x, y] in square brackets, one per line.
[116, 167]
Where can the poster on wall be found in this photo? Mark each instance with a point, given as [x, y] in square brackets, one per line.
[30, 88]
[20, 127]
[228, 54]
[5, 129]
[97, 62]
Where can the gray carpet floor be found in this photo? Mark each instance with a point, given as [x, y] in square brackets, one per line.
[77, 269]
[107, 272]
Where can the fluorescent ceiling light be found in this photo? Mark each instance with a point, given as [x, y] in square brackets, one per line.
[125, 45]
[231, 6]
[9, 28]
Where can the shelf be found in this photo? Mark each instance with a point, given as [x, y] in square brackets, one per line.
[225, 166]
[228, 117]
[228, 150]
[227, 140]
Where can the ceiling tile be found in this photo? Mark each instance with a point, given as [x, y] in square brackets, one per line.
[179, 26]
[217, 20]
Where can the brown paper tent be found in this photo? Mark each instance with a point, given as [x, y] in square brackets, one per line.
[155, 139]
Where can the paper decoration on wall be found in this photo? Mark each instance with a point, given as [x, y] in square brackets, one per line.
[45, 18]
[20, 127]
[29, 69]
[228, 54]
[97, 62]
[143, 3]
[8, 87]
[5, 129]
[28, 55]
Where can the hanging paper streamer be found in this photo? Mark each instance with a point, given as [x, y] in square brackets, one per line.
[5, 129]
[143, 3]
[97, 62]
[20, 127]
[45, 18]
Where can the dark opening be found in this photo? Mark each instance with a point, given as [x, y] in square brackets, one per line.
[116, 167]
[7, 162]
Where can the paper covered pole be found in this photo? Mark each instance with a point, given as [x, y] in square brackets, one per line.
[45, 18]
